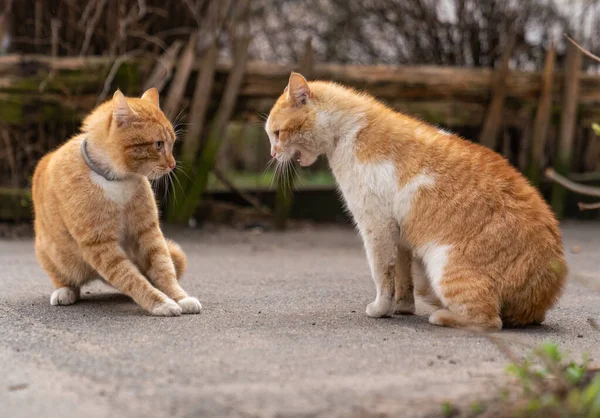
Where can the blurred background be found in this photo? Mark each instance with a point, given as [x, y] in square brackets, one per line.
[498, 72]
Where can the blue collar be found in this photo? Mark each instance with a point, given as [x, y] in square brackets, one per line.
[109, 176]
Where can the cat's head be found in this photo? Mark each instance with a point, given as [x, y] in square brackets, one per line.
[291, 125]
[135, 133]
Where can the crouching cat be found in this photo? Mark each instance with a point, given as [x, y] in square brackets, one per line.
[479, 241]
[95, 213]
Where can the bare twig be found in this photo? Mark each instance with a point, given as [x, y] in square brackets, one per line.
[86, 13]
[92, 26]
[113, 72]
[588, 206]
[582, 49]
[571, 185]
[162, 71]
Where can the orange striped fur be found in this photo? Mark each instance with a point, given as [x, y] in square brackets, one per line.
[455, 218]
[87, 227]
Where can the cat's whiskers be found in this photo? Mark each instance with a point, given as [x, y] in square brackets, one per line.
[177, 121]
[179, 169]
[275, 173]
[268, 165]
[297, 175]
[178, 182]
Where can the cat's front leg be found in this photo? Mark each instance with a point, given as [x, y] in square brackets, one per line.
[404, 297]
[108, 259]
[380, 239]
[156, 256]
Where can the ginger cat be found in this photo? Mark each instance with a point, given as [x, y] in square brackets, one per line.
[95, 213]
[478, 240]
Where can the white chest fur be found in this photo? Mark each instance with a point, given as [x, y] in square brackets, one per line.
[120, 191]
[372, 189]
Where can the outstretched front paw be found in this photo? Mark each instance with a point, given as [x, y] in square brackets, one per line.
[168, 308]
[190, 305]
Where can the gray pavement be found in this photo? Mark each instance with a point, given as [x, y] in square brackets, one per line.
[283, 333]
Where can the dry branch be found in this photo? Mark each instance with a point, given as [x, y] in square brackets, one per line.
[542, 117]
[491, 126]
[588, 206]
[200, 102]
[582, 49]
[164, 67]
[182, 75]
[571, 185]
[577, 188]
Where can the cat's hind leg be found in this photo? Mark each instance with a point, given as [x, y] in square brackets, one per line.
[178, 257]
[469, 301]
[64, 293]
[404, 297]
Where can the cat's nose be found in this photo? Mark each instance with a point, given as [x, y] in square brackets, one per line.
[172, 164]
[274, 151]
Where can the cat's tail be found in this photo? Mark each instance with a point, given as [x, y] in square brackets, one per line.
[178, 256]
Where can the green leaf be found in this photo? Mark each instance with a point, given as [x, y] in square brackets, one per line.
[551, 351]
[596, 128]
[447, 409]
[575, 373]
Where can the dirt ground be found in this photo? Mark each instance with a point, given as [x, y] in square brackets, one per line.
[283, 333]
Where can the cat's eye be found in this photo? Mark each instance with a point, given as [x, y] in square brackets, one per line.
[159, 145]
[277, 134]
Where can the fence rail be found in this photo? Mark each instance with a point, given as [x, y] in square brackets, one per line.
[39, 88]
[43, 99]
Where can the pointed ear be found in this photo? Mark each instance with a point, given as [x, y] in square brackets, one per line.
[152, 96]
[122, 113]
[297, 89]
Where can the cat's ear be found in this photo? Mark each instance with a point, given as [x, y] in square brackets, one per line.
[122, 113]
[152, 96]
[297, 89]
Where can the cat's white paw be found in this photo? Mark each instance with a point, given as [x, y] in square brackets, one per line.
[380, 307]
[190, 305]
[167, 308]
[64, 296]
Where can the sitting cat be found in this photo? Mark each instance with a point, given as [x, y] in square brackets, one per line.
[95, 213]
[485, 245]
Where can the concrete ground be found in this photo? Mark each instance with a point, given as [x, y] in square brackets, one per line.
[283, 333]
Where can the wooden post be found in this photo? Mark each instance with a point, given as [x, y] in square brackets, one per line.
[55, 28]
[184, 68]
[214, 139]
[542, 117]
[568, 119]
[284, 196]
[200, 102]
[592, 152]
[493, 119]
[37, 18]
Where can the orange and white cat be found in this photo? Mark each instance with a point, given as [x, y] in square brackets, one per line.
[478, 240]
[95, 212]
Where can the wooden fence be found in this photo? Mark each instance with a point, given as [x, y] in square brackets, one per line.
[554, 108]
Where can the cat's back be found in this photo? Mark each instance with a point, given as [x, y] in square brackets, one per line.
[468, 170]
[53, 166]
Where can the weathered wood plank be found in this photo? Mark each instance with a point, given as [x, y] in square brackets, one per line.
[437, 94]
